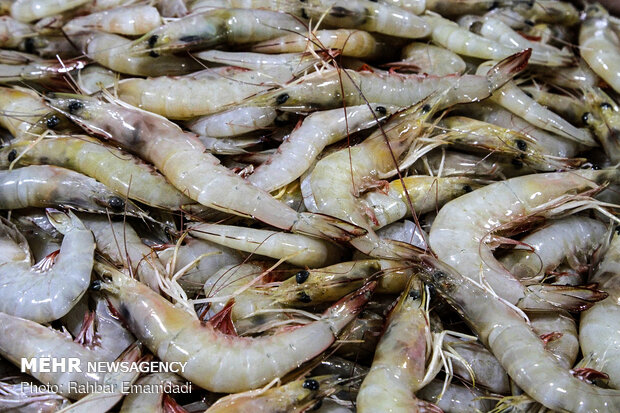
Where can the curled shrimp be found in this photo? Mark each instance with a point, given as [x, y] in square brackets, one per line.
[304, 144]
[519, 350]
[174, 335]
[181, 158]
[51, 186]
[598, 45]
[42, 293]
[463, 232]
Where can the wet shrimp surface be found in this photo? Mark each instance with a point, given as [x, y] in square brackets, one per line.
[309, 205]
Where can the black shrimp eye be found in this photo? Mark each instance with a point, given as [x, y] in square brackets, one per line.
[95, 285]
[280, 99]
[606, 105]
[12, 155]
[153, 40]
[303, 297]
[75, 106]
[29, 45]
[426, 108]
[467, 188]
[585, 118]
[528, 22]
[310, 384]
[381, 110]
[518, 163]
[618, 230]
[302, 276]
[438, 275]
[52, 122]
[596, 167]
[415, 294]
[521, 144]
[116, 203]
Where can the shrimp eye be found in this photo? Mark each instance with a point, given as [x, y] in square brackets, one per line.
[426, 108]
[585, 117]
[382, 110]
[528, 22]
[339, 12]
[303, 13]
[12, 155]
[415, 294]
[95, 285]
[280, 99]
[116, 203]
[303, 297]
[152, 40]
[310, 384]
[29, 45]
[596, 167]
[518, 163]
[438, 275]
[302, 276]
[606, 105]
[494, 5]
[618, 230]
[521, 145]
[52, 122]
[467, 189]
[75, 106]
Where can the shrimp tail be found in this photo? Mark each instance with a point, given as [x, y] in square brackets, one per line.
[508, 68]
[63, 222]
[574, 299]
[324, 226]
[345, 310]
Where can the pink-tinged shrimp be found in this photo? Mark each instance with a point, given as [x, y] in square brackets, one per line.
[517, 347]
[215, 361]
[464, 232]
[182, 159]
[41, 292]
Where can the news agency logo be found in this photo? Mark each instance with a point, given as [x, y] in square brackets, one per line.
[75, 365]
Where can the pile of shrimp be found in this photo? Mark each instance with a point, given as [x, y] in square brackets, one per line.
[310, 205]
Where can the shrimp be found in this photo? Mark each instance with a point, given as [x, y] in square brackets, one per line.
[174, 335]
[353, 43]
[94, 78]
[605, 122]
[570, 108]
[112, 51]
[559, 332]
[39, 70]
[282, 67]
[295, 249]
[398, 368]
[13, 32]
[232, 122]
[130, 20]
[30, 10]
[297, 396]
[598, 45]
[21, 395]
[487, 136]
[207, 256]
[44, 294]
[45, 186]
[154, 400]
[552, 11]
[463, 233]
[422, 193]
[44, 240]
[414, 6]
[216, 27]
[199, 175]
[460, 7]
[25, 339]
[519, 350]
[368, 15]
[336, 88]
[511, 97]
[120, 243]
[573, 238]
[197, 94]
[116, 169]
[456, 398]
[304, 144]
[598, 333]
[430, 59]
[499, 31]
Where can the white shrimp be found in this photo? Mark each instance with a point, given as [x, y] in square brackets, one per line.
[30, 10]
[232, 122]
[45, 293]
[213, 359]
[598, 45]
[94, 78]
[182, 160]
[130, 20]
[463, 233]
[519, 350]
[511, 97]
[297, 153]
[13, 32]
[414, 6]
[456, 398]
[295, 249]
[434, 60]
[558, 330]
[598, 332]
[573, 238]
